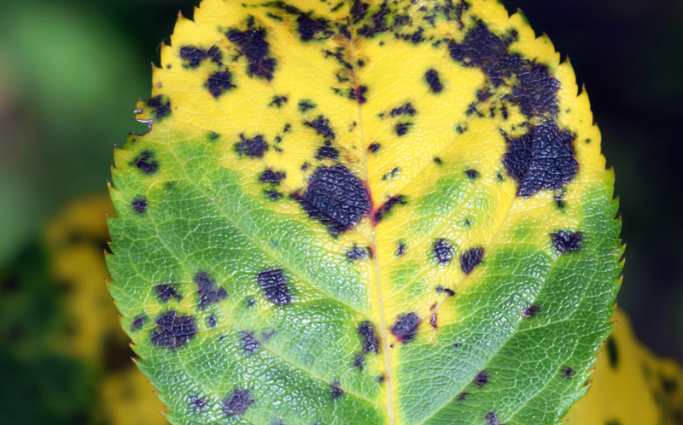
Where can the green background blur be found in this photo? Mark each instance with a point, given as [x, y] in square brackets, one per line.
[72, 70]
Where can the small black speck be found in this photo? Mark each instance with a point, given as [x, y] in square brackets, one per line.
[443, 251]
[405, 327]
[146, 162]
[336, 391]
[165, 292]
[138, 322]
[237, 402]
[481, 378]
[374, 147]
[461, 397]
[139, 205]
[401, 249]
[448, 292]
[357, 253]
[402, 128]
[432, 77]
[438, 161]
[306, 105]
[472, 174]
[568, 372]
[211, 321]
[531, 311]
[567, 241]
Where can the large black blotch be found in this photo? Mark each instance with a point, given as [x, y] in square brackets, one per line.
[208, 295]
[274, 284]
[237, 402]
[543, 158]
[534, 90]
[254, 148]
[405, 327]
[335, 197]
[253, 45]
[160, 109]
[567, 241]
[370, 341]
[471, 259]
[194, 55]
[219, 82]
[173, 331]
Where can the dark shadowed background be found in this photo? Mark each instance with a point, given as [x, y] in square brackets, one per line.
[71, 71]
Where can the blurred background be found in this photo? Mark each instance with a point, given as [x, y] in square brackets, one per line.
[72, 70]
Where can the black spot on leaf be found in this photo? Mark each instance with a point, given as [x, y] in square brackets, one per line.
[327, 151]
[166, 292]
[443, 251]
[173, 331]
[249, 344]
[568, 372]
[278, 101]
[405, 327]
[138, 322]
[402, 128]
[386, 207]
[370, 341]
[322, 126]
[219, 82]
[612, 352]
[432, 77]
[253, 45]
[194, 56]
[358, 94]
[309, 28]
[211, 321]
[405, 109]
[270, 176]
[541, 159]
[461, 397]
[146, 162]
[237, 402]
[472, 174]
[208, 295]
[335, 197]
[160, 109]
[254, 148]
[531, 311]
[449, 292]
[197, 404]
[306, 105]
[358, 11]
[336, 392]
[274, 284]
[567, 241]
[481, 378]
[491, 418]
[357, 253]
[374, 147]
[470, 259]
[139, 205]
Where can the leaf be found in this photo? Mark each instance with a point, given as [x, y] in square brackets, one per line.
[377, 213]
[630, 386]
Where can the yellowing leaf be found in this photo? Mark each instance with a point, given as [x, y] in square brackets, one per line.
[365, 212]
[630, 386]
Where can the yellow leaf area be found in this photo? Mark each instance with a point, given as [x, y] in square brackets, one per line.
[630, 386]
[420, 179]
[76, 238]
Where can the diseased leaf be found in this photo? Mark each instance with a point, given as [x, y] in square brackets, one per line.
[630, 386]
[377, 213]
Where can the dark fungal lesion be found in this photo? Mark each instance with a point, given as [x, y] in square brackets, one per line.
[139, 204]
[335, 197]
[237, 402]
[405, 327]
[543, 158]
[322, 125]
[253, 45]
[253, 148]
[207, 293]
[146, 162]
[433, 80]
[278, 101]
[481, 379]
[470, 259]
[274, 285]
[219, 82]
[336, 391]
[272, 177]
[161, 108]
[531, 311]
[443, 251]
[197, 404]
[249, 344]
[306, 105]
[173, 331]
[405, 109]
[402, 128]
[358, 253]
[374, 147]
[194, 56]
[327, 151]
[358, 93]
[564, 241]
[385, 209]
[165, 292]
[472, 174]
[138, 322]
